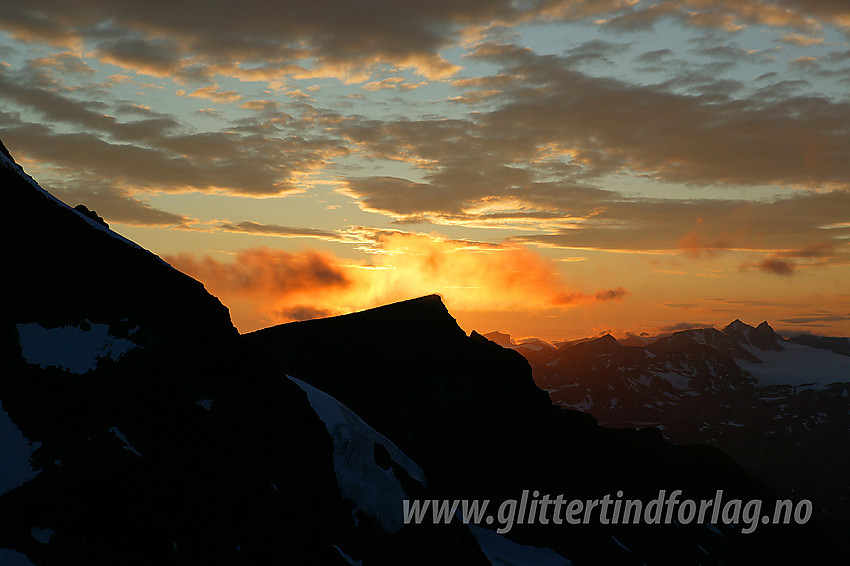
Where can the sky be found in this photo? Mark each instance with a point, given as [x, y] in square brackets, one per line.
[552, 168]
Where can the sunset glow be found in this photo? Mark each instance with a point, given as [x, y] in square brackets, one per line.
[553, 169]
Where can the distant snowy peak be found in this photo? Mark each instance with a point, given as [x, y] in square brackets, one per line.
[762, 336]
[698, 339]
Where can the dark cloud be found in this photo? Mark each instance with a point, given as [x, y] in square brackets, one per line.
[819, 250]
[249, 227]
[562, 124]
[610, 294]
[116, 206]
[776, 266]
[24, 90]
[600, 296]
[728, 15]
[276, 35]
[817, 318]
[594, 51]
[302, 312]
[654, 56]
[161, 154]
[612, 126]
[684, 326]
[734, 53]
[158, 57]
[787, 262]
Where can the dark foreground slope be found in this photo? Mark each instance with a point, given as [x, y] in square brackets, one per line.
[469, 413]
[155, 436]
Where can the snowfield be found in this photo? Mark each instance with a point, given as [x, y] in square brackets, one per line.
[374, 490]
[15, 454]
[797, 364]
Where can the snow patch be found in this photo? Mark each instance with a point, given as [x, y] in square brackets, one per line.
[698, 336]
[13, 558]
[678, 381]
[374, 490]
[501, 551]
[347, 558]
[69, 347]
[42, 535]
[123, 438]
[15, 454]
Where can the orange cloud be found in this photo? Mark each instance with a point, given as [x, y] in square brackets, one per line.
[213, 93]
[694, 244]
[264, 287]
[263, 273]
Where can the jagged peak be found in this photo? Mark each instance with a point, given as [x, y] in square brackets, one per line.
[737, 324]
[762, 337]
[605, 341]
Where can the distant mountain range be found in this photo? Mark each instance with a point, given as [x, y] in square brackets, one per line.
[780, 407]
[138, 427]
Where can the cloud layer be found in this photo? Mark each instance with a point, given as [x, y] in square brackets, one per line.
[684, 139]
